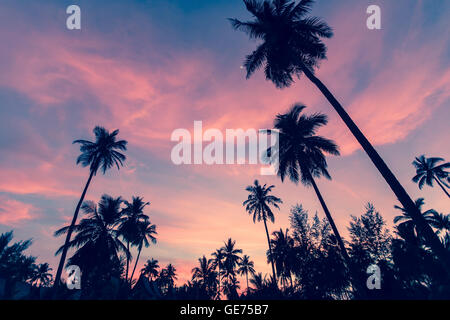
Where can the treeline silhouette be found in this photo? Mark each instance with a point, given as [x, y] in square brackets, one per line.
[308, 260]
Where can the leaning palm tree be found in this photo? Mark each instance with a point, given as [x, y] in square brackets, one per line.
[145, 235]
[258, 204]
[428, 170]
[246, 266]
[151, 269]
[101, 154]
[42, 275]
[217, 259]
[133, 213]
[291, 45]
[301, 155]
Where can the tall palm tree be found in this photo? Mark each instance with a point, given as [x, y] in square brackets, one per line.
[151, 269]
[428, 170]
[218, 257]
[246, 266]
[301, 155]
[145, 234]
[42, 275]
[133, 213]
[101, 154]
[291, 46]
[97, 239]
[258, 203]
[231, 258]
[170, 275]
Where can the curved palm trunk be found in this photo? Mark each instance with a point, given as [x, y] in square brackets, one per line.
[271, 254]
[135, 265]
[442, 187]
[431, 238]
[69, 234]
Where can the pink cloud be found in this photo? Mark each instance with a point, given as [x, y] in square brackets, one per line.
[13, 212]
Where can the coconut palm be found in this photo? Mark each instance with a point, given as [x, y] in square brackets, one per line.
[217, 260]
[405, 220]
[283, 254]
[301, 155]
[151, 269]
[99, 155]
[291, 45]
[144, 236]
[204, 273]
[428, 170]
[231, 258]
[96, 239]
[170, 275]
[441, 222]
[258, 204]
[42, 275]
[246, 266]
[133, 213]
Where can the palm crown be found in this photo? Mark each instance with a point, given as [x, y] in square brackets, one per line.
[259, 201]
[291, 40]
[301, 151]
[102, 154]
[428, 170]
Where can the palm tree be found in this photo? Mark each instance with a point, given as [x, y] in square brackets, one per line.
[283, 254]
[291, 46]
[205, 274]
[145, 232]
[42, 275]
[301, 155]
[218, 257]
[427, 170]
[97, 239]
[170, 275]
[440, 221]
[231, 258]
[101, 154]
[151, 269]
[406, 220]
[246, 266]
[258, 203]
[132, 215]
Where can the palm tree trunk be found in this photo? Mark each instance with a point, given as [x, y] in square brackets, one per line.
[135, 265]
[219, 283]
[69, 234]
[271, 254]
[431, 238]
[128, 261]
[442, 187]
[331, 221]
[246, 275]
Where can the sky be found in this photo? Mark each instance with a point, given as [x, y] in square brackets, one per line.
[151, 67]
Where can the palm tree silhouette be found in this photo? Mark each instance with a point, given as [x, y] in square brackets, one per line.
[258, 203]
[441, 222]
[428, 171]
[97, 239]
[144, 235]
[218, 257]
[170, 275]
[231, 258]
[42, 275]
[132, 215]
[405, 220]
[291, 46]
[101, 154]
[246, 266]
[283, 254]
[205, 274]
[151, 269]
[301, 155]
